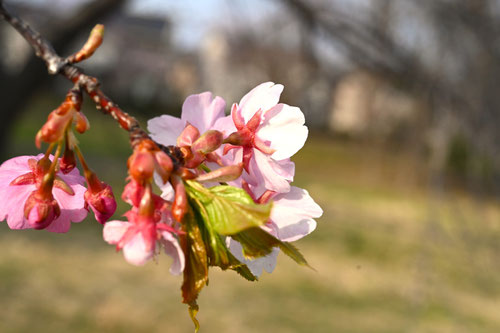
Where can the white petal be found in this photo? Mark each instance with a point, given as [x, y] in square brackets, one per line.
[264, 170]
[136, 252]
[263, 97]
[113, 231]
[174, 250]
[293, 214]
[283, 127]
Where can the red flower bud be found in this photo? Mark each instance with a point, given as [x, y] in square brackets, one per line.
[102, 203]
[68, 161]
[164, 165]
[141, 165]
[56, 124]
[81, 123]
[180, 205]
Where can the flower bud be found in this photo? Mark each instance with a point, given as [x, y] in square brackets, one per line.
[164, 165]
[56, 124]
[81, 123]
[238, 138]
[141, 165]
[224, 174]
[102, 203]
[132, 193]
[208, 142]
[68, 161]
[180, 205]
[188, 136]
[40, 210]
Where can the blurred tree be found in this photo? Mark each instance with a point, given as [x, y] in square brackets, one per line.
[446, 53]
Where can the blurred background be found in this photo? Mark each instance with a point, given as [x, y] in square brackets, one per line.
[402, 102]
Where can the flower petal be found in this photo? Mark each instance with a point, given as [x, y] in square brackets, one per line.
[283, 126]
[293, 214]
[136, 251]
[270, 173]
[113, 231]
[12, 205]
[165, 129]
[225, 125]
[263, 97]
[72, 208]
[202, 110]
[174, 250]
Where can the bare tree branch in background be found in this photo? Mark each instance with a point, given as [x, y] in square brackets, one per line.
[14, 89]
[455, 69]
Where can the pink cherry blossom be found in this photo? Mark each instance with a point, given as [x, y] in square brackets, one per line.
[201, 111]
[264, 134]
[292, 218]
[139, 237]
[68, 191]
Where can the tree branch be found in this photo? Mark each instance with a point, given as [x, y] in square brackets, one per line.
[58, 65]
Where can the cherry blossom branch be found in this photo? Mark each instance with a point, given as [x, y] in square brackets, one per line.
[64, 66]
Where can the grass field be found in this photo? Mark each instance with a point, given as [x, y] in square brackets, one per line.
[390, 256]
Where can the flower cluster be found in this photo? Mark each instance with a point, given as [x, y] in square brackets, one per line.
[226, 198]
[260, 134]
[47, 192]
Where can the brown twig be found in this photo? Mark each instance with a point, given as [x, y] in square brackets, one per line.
[58, 65]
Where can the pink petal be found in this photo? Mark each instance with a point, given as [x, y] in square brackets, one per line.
[137, 251]
[293, 214]
[269, 173]
[174, 250]
[203, 110]
[12, 205]
[283, 126]
[72, 208]
[263, 97]
[165, 129]
[113, 231]
[17, 164]
[225, 125]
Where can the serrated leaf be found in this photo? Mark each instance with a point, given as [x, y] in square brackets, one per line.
[256, 243]
[229, 210]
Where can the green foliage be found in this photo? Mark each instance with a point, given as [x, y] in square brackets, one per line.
[227, 209]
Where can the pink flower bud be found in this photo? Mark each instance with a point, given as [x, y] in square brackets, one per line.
[188, 136]
[102, 203]
[224, 174]
[208, 142]
[40, 210]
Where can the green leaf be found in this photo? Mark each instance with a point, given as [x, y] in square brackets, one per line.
[217, 252]
[257, 243]
[228, 209]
